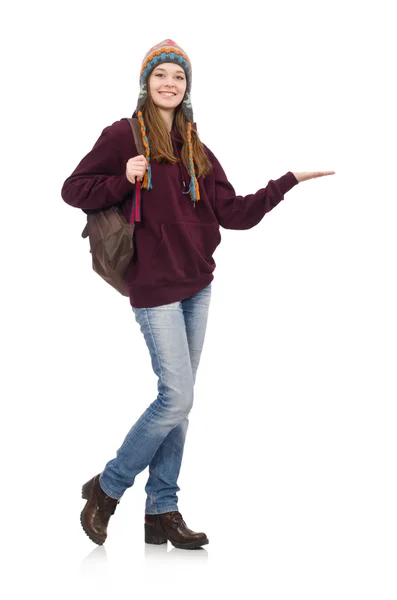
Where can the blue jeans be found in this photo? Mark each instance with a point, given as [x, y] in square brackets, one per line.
[174, 334]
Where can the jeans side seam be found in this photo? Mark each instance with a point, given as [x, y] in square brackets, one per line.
[154, 344]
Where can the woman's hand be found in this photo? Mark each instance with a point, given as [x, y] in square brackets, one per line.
[135, 168]
[306, 176]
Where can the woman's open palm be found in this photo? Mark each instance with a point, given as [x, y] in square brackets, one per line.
[310, 175]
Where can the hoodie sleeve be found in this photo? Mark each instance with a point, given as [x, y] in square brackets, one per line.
[99, 180]
[244, 212]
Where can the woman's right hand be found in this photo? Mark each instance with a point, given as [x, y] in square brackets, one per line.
[135, 168]
[310, 174]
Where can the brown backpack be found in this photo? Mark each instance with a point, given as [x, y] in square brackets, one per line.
[111, 235]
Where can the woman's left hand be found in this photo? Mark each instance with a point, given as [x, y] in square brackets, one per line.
[306, 176]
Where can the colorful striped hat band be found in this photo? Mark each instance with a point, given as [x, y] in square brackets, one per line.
[167, 51]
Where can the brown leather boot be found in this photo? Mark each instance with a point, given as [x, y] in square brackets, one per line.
[95, 515]
[171, 526]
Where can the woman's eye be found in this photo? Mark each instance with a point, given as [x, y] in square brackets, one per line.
[161, 74]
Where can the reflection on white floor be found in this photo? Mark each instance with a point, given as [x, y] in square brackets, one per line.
[152, 552]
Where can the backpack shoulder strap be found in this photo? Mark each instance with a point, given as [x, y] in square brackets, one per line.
[136, 132]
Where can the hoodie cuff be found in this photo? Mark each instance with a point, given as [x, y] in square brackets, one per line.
[287, 182]
[124, 187]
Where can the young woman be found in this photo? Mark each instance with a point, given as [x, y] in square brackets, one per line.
[186, 197]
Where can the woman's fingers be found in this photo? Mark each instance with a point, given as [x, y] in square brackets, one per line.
[136, 168]
[312, 174]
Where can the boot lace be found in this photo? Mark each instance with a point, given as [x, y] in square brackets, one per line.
[176, 517]
[108, 504]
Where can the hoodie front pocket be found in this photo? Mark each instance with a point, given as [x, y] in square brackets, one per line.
[185, 251]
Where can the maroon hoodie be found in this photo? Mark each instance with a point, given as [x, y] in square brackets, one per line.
[175, 240]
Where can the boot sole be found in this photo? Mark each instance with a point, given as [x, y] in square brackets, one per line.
[155, 537]
[190, 545]
[85, 494]
[88, 532]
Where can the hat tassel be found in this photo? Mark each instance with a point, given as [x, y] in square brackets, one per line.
[147, 179]
[193, 189]
[194, 186]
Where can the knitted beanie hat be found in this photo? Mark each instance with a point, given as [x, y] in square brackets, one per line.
[167, 51]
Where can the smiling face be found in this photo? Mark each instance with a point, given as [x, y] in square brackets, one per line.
[167, 85]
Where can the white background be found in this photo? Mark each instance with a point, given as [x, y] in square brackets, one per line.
[290, 459]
